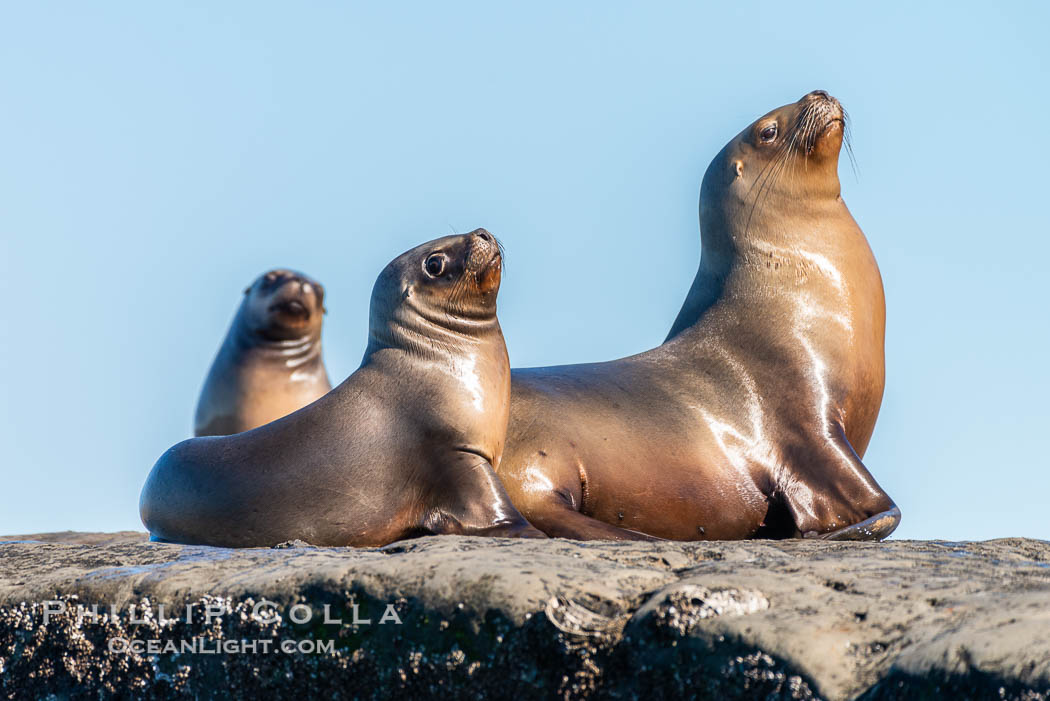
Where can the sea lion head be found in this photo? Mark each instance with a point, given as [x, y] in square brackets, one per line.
[786, 161]
[283, 305]
[445, 286]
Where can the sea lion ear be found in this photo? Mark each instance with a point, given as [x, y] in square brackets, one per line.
[738, 166]
[247, 289]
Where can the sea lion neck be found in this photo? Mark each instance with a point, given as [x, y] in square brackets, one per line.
[421, 330]
[754, 260]
[461, 359]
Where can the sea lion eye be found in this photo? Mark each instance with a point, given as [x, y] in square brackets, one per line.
[769, 133]
[434, 265]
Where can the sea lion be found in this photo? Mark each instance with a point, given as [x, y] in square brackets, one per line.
[751, 419]
[403, 447]
[270, 362]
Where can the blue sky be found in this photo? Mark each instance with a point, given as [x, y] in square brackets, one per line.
[154, 158]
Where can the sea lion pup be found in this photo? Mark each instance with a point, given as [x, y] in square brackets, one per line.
[752, 417]
[270, 362]
[404, 447]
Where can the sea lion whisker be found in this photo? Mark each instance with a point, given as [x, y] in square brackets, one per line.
[782, 156]
[847, 140]
[502, 254]
[757, 180]
[808, 122]
[782, 165]
[761, 173]
[779, 168]
[761, 180]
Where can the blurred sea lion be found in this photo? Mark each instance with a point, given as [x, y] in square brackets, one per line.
[405, 446]
[752, 417]
[270, 362]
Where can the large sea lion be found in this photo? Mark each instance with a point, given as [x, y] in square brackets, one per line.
[405, 446]
[270, 362]
[751, 419]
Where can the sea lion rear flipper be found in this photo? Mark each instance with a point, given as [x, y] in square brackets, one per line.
[560, 520]
[550, 496]
[832, 496]
[550, 500]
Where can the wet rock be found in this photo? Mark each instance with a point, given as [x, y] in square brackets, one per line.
[90, 615]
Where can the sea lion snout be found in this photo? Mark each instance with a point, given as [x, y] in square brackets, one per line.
[276, 279]
[293, 293]
[279, 276]
[483, 246]
[485, 260]
[822, 123]
[821, 105]
[820, 97]
[291, 307]
[285, 304]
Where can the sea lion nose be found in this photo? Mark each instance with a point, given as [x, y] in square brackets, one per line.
[818, 94]
[483, 235]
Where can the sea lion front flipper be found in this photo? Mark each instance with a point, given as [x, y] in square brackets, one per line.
[472, 501]
[877, 527]
[831, 495]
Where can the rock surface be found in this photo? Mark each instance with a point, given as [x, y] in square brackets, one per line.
[526, 619]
